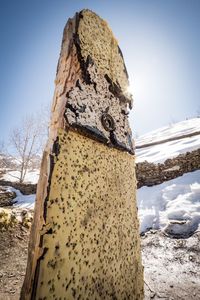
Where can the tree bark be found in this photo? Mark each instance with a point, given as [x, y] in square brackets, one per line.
[84, 240]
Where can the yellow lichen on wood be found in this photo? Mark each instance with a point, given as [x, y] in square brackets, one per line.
[97, 41]
[92, 249]
[85, 241]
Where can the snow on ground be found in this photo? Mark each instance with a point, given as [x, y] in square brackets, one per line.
[173, 206]
[22, 201]
[158, 153]
[171, 267]
[31, 176]
[173, 130]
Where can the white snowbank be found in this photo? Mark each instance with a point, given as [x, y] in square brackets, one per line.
[31, 176]
[161, 152]
[173, 130]
[22, 201]
[173, 206]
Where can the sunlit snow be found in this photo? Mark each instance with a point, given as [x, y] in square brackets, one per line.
[173, 206]
[22, 201]
[31, 176]
[159, 153]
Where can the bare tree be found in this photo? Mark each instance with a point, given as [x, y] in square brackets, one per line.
[2, 147]
[27, 141]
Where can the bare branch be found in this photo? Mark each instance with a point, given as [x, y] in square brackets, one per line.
[28, 140]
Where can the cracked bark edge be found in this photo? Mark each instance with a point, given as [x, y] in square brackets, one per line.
[114, 88]
[47, 164]
[36, 252]
[84, 65]
[36, 237]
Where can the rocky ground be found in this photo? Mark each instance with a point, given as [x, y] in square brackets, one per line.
[171, 266]
[13, 256]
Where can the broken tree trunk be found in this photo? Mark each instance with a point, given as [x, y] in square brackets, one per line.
[84, 241]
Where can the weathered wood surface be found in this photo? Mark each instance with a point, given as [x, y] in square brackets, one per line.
[84, 241]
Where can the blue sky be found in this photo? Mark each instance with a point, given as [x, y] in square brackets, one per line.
[160, 41]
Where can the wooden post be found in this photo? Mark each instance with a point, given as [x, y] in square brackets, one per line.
[84, 240]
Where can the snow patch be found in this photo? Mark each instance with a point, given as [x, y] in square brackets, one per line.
[173, 206]
[158, 153]
[31, 176]
[171, 131]
[22, 201]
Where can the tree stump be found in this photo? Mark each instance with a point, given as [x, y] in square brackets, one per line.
[84, 240]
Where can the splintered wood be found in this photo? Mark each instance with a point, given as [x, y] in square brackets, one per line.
[85, 241]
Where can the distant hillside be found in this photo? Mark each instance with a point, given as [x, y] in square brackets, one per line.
[168, 142]
[154, 147]
[10, 169]
[7, 161]
[168, 152]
